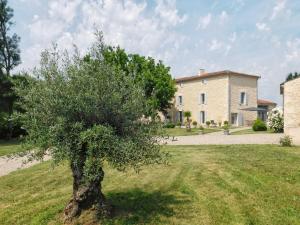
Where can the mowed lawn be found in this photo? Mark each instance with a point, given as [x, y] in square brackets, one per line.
[9, 147]
[240, 184]
[251, 131]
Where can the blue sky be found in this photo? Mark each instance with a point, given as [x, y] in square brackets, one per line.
[251, 36]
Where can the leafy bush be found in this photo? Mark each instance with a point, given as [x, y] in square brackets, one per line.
[259, 125]
[275, 120]
[178, 124]
[286, 141]
[207, 123]
[226, 127]
[10, 125]
[194, 123]
[169, 125]
[226, 122]
[201, 128]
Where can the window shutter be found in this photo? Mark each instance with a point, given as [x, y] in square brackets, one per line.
[246, 98]
[205, 98]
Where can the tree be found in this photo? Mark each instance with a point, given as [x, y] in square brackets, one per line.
[9, 45]
[292, 76]
[155, 78]
[188, 115]
[82, 110]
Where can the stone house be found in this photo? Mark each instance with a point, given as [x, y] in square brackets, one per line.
[217, 97]
[264, 106]
[291, 108]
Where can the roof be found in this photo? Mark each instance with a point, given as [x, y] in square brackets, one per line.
[219, 73]
[265, 102]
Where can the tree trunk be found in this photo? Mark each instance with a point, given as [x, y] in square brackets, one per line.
[86, 195]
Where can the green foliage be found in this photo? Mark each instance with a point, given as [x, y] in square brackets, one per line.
[85, 111]
[286, 141]
[207, 123]
[292, 76]
[194, 123]
[187, 114]
[154, 77]
[169, 125]
[9, 45]
[226, 122]
[259, 125]
[10, 120]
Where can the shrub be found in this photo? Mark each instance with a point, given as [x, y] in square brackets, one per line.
[226, 127]
[286, 141]
[220, 124]
[169, 125]
[194, 123]
[201, 128]
[226, 122]
[275, 120]
[259, 125]
[178, 124]
[207, 123]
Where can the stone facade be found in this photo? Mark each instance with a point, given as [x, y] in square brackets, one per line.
[220, 96]
[291, 102]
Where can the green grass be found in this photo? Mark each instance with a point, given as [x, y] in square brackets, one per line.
[183, 132]
[9, 147]
[209, 185]
[251, 131]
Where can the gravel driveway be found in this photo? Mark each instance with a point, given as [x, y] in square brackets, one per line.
[8, 165]
[219, 138]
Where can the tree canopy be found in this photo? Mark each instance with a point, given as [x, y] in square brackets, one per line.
[83, 110]
[154, 77]
[9, 44]
[292, 76]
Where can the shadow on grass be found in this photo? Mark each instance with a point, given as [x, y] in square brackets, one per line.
[139, 207]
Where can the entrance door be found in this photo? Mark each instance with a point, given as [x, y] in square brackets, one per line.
[234, 119]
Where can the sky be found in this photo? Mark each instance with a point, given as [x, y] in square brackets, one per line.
[251, 36]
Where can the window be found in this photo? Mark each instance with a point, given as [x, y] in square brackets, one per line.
[180, 100]
[202, 98]
[243, 100]
[202, 117]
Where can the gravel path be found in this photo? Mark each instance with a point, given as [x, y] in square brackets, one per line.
[8, 165]
[219, 138]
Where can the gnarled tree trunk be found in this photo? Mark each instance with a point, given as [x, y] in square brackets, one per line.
[86, 195]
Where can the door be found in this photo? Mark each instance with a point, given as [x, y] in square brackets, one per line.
[234, 119]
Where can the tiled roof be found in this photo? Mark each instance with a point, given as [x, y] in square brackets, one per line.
[219, 73]
[264, 102]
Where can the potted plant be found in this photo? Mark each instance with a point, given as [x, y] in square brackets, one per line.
[194, 124]
[201, 130]
[188, 115]
[226, 129]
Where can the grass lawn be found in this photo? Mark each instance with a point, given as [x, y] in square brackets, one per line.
[184, 132]
[240, 184]
[9, 147]
[251, 131]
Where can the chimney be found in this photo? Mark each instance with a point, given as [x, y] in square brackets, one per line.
[201, 72]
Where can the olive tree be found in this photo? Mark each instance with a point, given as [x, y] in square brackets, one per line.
[83, 111]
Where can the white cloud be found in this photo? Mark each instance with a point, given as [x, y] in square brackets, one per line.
[262, 27]
[232, 37]
[167, 10]
[279, 7]
[293, 50]
[125, 23]
[204, 21]
[223, 17]
[215, 45]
